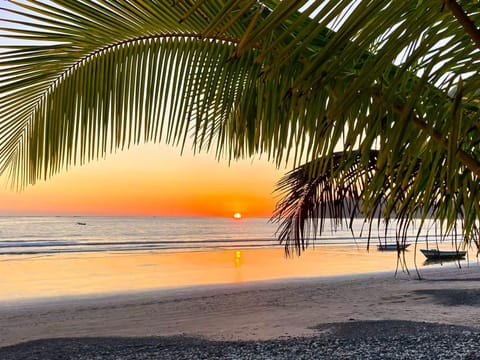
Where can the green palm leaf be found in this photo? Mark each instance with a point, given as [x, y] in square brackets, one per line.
[296, 80]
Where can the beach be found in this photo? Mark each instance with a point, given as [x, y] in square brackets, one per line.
[239, 180]
[267, 317]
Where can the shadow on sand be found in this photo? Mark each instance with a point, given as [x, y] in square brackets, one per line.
[453, 297]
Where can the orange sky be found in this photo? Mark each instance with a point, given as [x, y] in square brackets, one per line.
[151, 179]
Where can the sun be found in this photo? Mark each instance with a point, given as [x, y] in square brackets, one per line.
[237, 216]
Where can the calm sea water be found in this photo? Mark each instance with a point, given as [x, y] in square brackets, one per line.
[51, 235]
[44, 257]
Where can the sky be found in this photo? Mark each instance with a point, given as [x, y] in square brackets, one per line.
[149, 180]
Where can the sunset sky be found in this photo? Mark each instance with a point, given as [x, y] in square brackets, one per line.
[151, 179]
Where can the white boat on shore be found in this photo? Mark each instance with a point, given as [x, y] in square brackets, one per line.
[435, 254]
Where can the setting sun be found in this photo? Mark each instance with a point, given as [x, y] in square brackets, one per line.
[237, 216]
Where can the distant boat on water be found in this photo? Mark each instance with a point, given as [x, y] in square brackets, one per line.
[436, 254]
[392, 247]
[81, 223]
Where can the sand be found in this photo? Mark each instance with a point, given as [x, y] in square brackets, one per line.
[261, 310]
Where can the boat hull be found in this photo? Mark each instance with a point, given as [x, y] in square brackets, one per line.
[392, 247]
[443, 255]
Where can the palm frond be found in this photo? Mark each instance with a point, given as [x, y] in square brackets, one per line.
[353, 186]
[296, 80]
[308, 83]
[311, 196]
[116, 74]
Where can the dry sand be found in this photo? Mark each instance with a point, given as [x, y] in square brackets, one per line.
[254, 310]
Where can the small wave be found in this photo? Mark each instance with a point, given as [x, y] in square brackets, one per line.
[54, 247]
[22, 244]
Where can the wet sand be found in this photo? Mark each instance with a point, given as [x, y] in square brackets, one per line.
[25, 278]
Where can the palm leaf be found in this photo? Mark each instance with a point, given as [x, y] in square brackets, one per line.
[348, 189]
[293, 79]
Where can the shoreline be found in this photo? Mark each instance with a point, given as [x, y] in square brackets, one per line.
[251, 311]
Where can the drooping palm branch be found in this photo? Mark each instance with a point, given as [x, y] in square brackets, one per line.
[310, 196]
[294, 79]
[350, 187]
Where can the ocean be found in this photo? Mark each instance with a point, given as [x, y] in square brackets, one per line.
[45, 257]
[54, 235]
